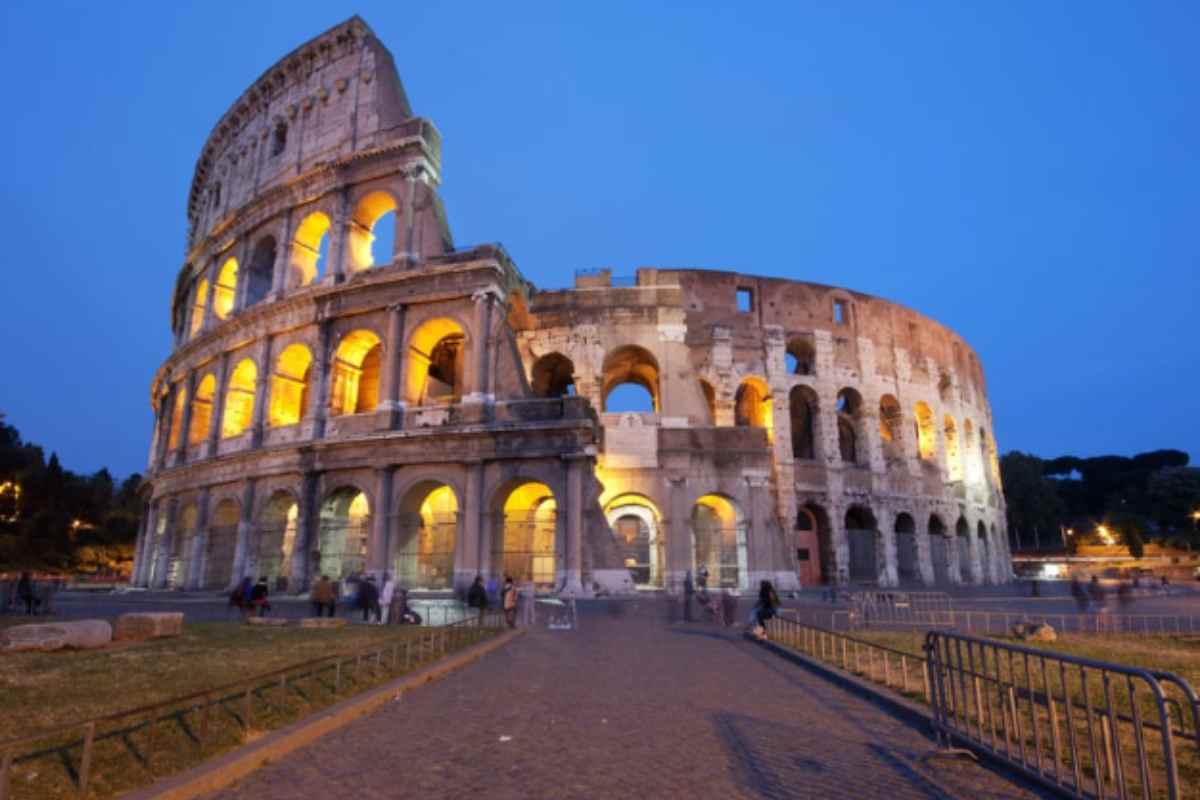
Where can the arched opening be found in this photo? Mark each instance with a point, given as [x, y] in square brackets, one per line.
[890, 421]
[802, 404]
[221, 545]
[175, 436]
[926, 433]
[637, 530]
[553, 375]
[290, 386]
[710, 400]
[971, 465]
[906, 548]
[310, 250]
[862, 534]
[279, 139]
[939, 551]
[981, 533]
[630, 365]
[354, 388]
[426, 527]
[954, 467]
[962, 540]
[181, 547]
[225, 293]
[719, 542]
[988, 445]
[261, 272]
[239, 399]
[345, 525]
[436, 357]
[752, 405]
[527, 541]
[849, 414]
[816, 562]
[801, 357]
[373, 221]
[199, 301]
[202, 408]
[277, 539]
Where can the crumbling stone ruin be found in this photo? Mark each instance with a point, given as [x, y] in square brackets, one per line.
[429, 413]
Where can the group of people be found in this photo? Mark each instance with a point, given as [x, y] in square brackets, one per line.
[723, 609]
[251, 598]
[479, 598]
[1095, 596]
[388, 605]
[27, 595]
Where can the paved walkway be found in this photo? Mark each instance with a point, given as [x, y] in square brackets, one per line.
[627, 706]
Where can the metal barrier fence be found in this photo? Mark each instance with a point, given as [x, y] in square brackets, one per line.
[1090, 728]
[900, 609]
[1002, 622]
[83, 748]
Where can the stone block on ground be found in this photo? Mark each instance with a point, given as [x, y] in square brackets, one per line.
[1034, 632]
[142, 625]
[86, 634]
[323, 622]
[270, 622]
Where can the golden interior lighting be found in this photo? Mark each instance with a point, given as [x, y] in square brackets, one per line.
[530, 516]
[199, 301]
[226, 291]
[889, 418]
[239, 399]
[177, 416]
[202, 408]
[305, 264]
[362, 227]
[435, 363]
[753, 405]
[355, 384]
[954, 467]
[926, 433]
[290, 385]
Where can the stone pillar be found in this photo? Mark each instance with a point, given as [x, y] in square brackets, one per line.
[218, 410]
[470, 551]
[391, 404]
[341, 233]
[477, 379]
[407, 219]
[925, 557]
[573, 555]
[283, 259]
[262, 387]
[318, 404]
[679, 546]
[185, 422]
[841, 542]
[381, 515]
[722, 361]
[163, 546]
[165, 418]
[209, 318]
[307, 534]
[889, 574]
[243, 277]
[142, 551]
[245, 557]
[194, 578]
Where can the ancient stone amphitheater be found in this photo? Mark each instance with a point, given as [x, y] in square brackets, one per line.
[350, 391]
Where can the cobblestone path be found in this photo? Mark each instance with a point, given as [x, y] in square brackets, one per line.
[628, 706]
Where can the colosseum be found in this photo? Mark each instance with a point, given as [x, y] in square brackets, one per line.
[350, 391]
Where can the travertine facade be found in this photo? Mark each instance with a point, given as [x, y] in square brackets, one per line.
[330, 408]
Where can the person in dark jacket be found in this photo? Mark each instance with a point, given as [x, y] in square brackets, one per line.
[368, 599]
[689, 589]
[323, 597]
[477, 596]
[26, 594]
[258, 598]
[768, 601]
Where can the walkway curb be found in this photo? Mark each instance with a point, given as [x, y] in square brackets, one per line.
[240, 762]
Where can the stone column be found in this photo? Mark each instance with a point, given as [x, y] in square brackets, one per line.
[218, 410]
[925, 556]
[194, 578]
[185, 422]
[262, 386]
[142, 551]
[165, 419]
[391, 404]
[283, 259]
[679, 547]
[889, 575]
[318, 405]
[163, 546]
[243, 276]
[307, 534]
[381, 515]
[209, 318]
[477, 379]
[341, 233]
[245, 559]
[414, 176]
[469, 549]
[841, 541]
[573, 555]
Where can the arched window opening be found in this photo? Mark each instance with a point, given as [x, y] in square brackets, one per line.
[199, 301]
[221, 544]
[802, 402]
[862, 533]
[801, 356]
[436, 358]
[939, 550]
[636, 526]
[954, 469]
[926, 434]
[981, 533]
[261, 272]
[345, 525]
[202, 409]
[890, 420]
[752, 405]
[310, 249]
[239, 399]
[635, 365]
[528, 539]
[906, 548]
[849, 413]
[290, 386]
[710, 400]
[276, 540]
[423, 555]
[225, 294]
[969, 452]
[719, 543]
[945, 387]
[962, 537]
[278, 139]
[180, 557]
[992, 461]
[553, 375]
[177, 416]
[355, 384]
[374, 219]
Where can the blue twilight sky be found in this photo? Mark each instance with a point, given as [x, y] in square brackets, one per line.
[1024, 172]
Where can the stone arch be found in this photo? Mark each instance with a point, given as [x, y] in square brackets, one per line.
[182, 542]
[801, 355]
[849, 410]
[954, 463]
[310, 250]
[239, 399]
[939, 549]
[275, 538]
[864, 540]
[962, 539]
[291, 385]
[907, 553]
[174, 436]
[803, 407]
[202, 408]
[221, 543]
[261, 272]
[631, 364]
[343, 531]
[891, 427]
[710, 400]
[225, 293]
[435, 363]
[375, 208]
[636, 523]
[926, 434]
[199, 304]
[752, 404]
[987, 446]
[971, 470]
[553, 375]
[526, 547]
[354, 388]
[985, 554]
[815, 534]
[426, 528]
[719, 541]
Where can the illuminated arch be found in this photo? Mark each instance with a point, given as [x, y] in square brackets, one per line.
[526, 546]
[239, 399]
[890, 420]
[175, 437]
[308, 252]
[276, 539]
[719, 542]
[356, 363]
[954, 464]
[637, 528]
[710, 400]
[225, 294]
[427, 526]
[345, 525]
[436, 356]
[369, 212]
[202, 408]
[752, 404]
[199, 302]
[631, 364]
[290, 386]
[926, 433]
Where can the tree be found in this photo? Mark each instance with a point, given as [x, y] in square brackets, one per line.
[1174, 495]
[1034, 507]
[1131, 531]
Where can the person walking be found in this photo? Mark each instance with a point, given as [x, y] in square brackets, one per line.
[322, 597]
[510, 602]
[25, 593]
[689, 589]
[768, 601]
[528, 599]
[477, 597]
[368, 599]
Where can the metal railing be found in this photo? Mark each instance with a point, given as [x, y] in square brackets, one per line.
[1090, 728]
[133, 744]
[900, 609]
[1001, 622]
